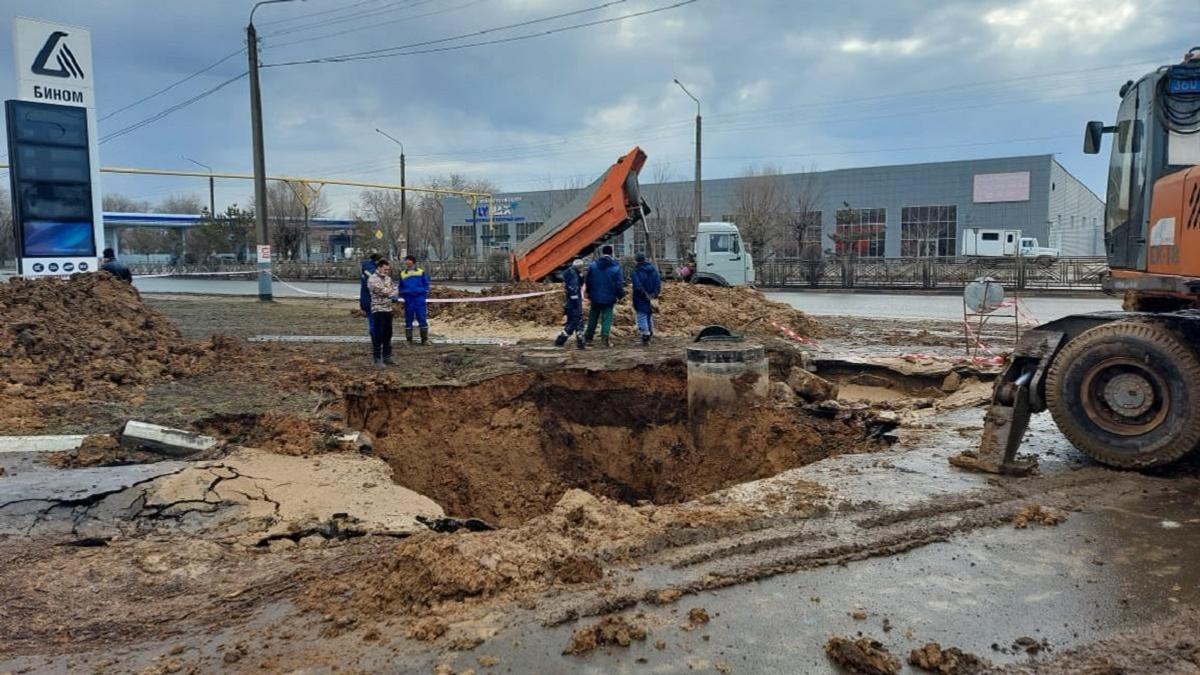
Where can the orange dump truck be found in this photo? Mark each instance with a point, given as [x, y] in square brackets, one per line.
[601, 211]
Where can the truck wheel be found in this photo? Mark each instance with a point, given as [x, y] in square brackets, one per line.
[1127, 394]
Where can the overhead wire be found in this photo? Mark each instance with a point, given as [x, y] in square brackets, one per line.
[171, 109]
[409, 49]
[315, 38]
[176, 83]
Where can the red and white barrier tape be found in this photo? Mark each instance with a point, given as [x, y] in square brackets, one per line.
[794, 335]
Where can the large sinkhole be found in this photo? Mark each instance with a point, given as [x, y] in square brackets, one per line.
[506, 449]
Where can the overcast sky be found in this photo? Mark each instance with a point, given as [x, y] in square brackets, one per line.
[796, 84]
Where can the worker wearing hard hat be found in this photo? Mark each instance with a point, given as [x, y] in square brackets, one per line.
[573, 304]
[647, 284]
[414, 288]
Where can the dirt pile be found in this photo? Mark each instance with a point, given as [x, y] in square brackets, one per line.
[946, 661]
[508, 448]
[83, 339]
[101, 450]
[684, 308]
[1037, 515]
[610, 630]
[863, 655]
[274, 431]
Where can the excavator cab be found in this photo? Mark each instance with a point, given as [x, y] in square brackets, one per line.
[1124, 387]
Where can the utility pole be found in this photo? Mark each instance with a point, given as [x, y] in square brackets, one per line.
[696, 198]
[260, 161]
[403, 194]
[212, 200]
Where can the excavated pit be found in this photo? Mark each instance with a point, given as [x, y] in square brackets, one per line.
[506, 449]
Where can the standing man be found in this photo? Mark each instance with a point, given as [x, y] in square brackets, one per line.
[647, 284]
[110, 264]
[573, 305]
[383, 294]
[414, 287]
[605, 287]
[364, 295]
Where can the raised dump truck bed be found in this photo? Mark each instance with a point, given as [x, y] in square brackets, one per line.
[601, 211]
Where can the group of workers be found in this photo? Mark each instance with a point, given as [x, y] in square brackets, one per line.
[377, 293]
[602, 283]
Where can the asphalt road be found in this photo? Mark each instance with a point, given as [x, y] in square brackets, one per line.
[875, 305]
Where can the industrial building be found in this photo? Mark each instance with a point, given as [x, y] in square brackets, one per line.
[887, 211]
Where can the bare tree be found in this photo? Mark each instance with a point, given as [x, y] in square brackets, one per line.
[762, 205]
[285, 218]
[383, 207]
[119, 203]
[807, 194]
[427, 212]
[8, 236]
[185, 204]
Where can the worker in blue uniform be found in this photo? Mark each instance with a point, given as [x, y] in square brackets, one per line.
[573, 304]
[414, 288]
[647, 284]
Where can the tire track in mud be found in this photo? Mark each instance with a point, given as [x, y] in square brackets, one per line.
[841, 537]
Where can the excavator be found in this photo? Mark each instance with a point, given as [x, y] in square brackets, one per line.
[1124, 387]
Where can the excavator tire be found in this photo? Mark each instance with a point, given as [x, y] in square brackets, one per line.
[1127, 394]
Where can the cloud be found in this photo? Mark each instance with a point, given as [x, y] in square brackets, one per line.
[1084, 24]
[904, 47]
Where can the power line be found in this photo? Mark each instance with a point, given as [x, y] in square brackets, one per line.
[312, 14]
[172, 109]
[366, 14]
[404, 50]
[376, 25]
[176, 83]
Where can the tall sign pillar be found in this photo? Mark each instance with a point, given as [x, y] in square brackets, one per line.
[52, 148]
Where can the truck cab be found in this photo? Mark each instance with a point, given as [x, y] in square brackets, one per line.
[1031, 249]
[721, 256]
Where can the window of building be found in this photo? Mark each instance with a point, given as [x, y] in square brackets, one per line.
[860, 232]
[495, 238]
[929, 231]
[657, 240]
[462, 241]
[808, 233]
[526, 229]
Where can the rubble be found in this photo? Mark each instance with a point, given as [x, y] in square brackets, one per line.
[1037, 514]
[812, 388]
[946, 661]
[611, 630]
[863, 655]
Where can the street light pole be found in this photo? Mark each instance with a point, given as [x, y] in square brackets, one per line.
[697, 196]
[260, 162]
[212, 201]
[403, 194]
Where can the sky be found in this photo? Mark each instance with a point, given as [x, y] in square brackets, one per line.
[792, 84]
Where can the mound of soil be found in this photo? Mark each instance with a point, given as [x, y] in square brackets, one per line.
[684, 308]
[83, 339]
[274, 431]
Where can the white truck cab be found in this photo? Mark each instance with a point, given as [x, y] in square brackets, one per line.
[721, 256]
[1031, 249]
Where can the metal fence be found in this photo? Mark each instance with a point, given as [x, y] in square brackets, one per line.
[911, 273]
[930, 273]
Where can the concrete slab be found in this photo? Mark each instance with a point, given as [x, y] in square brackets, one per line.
[60, 443]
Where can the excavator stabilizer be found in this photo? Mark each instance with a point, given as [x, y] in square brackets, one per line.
[1016, 396]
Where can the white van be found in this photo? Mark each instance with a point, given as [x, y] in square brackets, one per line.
[721, 256]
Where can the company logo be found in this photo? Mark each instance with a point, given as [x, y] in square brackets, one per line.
[67, 267]
[39, 268]
[55, 48]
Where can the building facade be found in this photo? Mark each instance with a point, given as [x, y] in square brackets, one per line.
[913, 210]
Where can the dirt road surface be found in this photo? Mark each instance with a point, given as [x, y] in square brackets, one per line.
[501, 511]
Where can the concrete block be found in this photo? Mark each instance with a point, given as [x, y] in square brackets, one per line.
[168, 441]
